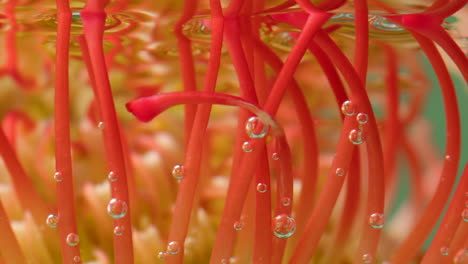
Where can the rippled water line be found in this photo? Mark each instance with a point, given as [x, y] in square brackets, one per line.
[198, 29]
[380, 27]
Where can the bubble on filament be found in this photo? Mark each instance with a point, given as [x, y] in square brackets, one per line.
[284, 226]
[347, 108]
[117, 208]
[255, 128]
[178, 172]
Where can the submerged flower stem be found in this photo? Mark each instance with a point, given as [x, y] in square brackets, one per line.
[392, 122]
[247, 90]
[361, 50]
[376, 190]
[331, 189]
[429, 217]
[9, 246]
[188, 186]
[186, 63]
[235, 202]
[284, 191]
[262, 239]
[330, 72]
[450, 223]
[309, 179]
[415, 168]
[93, 20]
[27, 195]
[312, 25]
[65, 189]
[350, 210]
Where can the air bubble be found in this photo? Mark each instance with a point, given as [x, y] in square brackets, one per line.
[58, 177]
[275, 156]
[286, 201]
[340, 171]
[362, 118]
[112, 176]
[255, 128]
[444, 251]
[377, 220]
[356, 136]
[347, 108]
[262, 187]
[178, 172]
[284, 226]
[52, 221]
[119, 230]
[247, 147]
[117, 208]
[73, 239]
[101, 125]
[464, 214]
[162, 255]
[366, 258]
[173, 248]
[238, 225]
[76, 259]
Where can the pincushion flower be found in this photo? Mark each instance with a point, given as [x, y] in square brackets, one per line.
[232, 132]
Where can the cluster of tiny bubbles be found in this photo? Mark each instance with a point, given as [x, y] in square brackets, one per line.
[262, 187]
[362, 118]
[112, 176]
[255, 128]
[58, 177]
[284, 226]
[465, 214]
[286, 201]
[52, 221]
[117, 208]
[347, 108]
[178, 172]
[444, 251]
[356, 136]
[366, 258]
[119, 230]
[275, 156]
[73, 239]
[340, 171]
[377, 220]
[238, 225]
[247, 147]
[76, 259]
[173, 247]
[100, 125]
[162, 255]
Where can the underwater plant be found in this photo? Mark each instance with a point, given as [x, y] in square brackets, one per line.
[233, 132]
